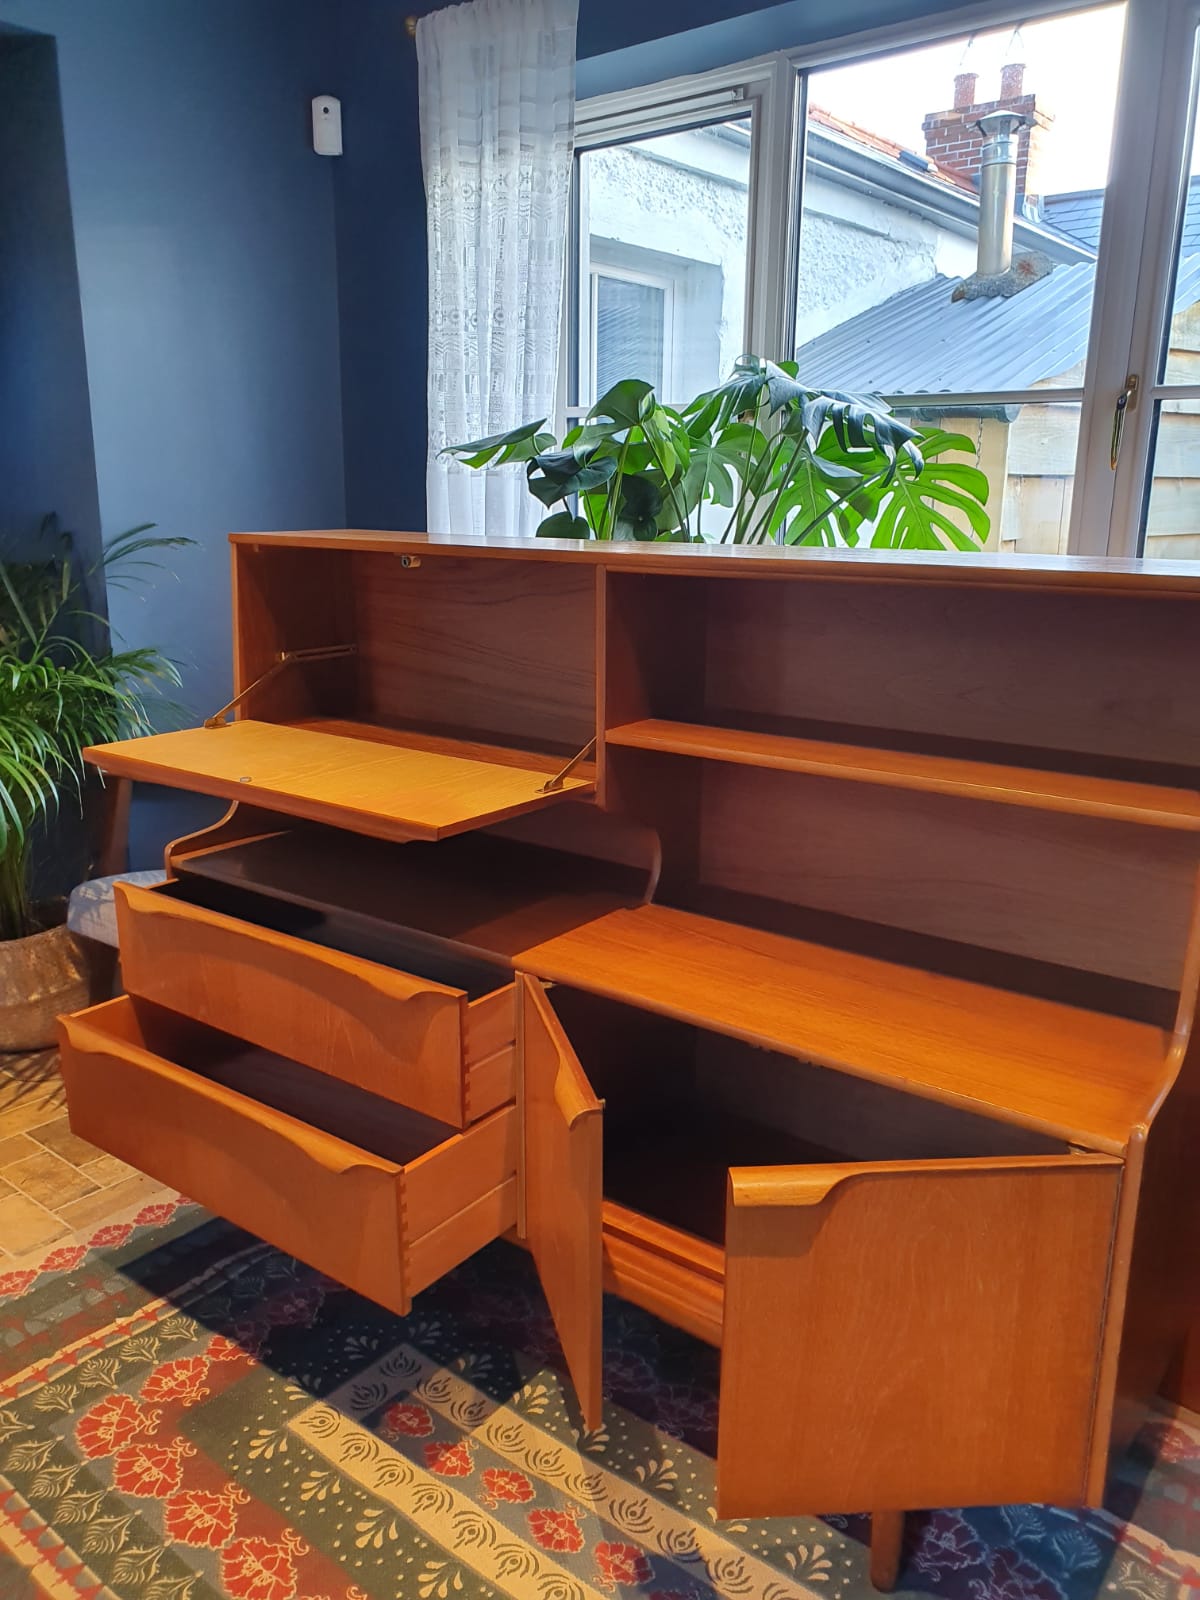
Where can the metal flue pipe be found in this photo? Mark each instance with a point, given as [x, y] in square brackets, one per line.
[997, 190]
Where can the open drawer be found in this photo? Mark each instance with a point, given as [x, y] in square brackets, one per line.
[911, 1298]
[439, 1040]
[380, 1198]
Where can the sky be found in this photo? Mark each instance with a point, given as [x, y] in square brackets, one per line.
[1071, 65]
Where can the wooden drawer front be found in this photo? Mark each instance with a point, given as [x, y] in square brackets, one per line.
[382, 1227]
[912, 1334]
[398, 1036]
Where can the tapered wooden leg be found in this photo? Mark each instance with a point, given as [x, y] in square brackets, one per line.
[887, 1540]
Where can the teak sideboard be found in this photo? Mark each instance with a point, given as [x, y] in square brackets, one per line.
[804, 946]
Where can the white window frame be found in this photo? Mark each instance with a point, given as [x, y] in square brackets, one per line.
[767, 89]
[1136, 274]
[1136, 256]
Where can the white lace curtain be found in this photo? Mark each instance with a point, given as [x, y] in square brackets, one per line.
[497, 86]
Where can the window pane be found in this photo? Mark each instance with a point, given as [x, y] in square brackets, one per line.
[1172, 525]
[630, 325]
[900, 287]
[1181, 355]
[1027, 454]
[662, 260]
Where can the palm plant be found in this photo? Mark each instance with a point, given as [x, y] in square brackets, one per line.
[62, 686]
[782, 462]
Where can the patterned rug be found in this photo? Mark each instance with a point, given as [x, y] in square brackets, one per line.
[186, 1413]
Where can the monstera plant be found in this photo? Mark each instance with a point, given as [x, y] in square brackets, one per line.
[761, 459]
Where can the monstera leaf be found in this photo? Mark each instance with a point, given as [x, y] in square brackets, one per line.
[719, 463]
[627, 403]
[638, 504]
[555, 474]
[917, 514]
[740, 395]
[859, 425]
[924, 510]
[805, 510]
[562, 525]
[518, 444]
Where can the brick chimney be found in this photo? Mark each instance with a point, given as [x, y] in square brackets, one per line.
[952, 140]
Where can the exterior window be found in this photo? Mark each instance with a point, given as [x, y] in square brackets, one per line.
[952, 204]
[661, 261]
[630, 329]
[953, 225]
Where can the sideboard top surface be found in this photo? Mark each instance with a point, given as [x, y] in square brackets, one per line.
[877, 566]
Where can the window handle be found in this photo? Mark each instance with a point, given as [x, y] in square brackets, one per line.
[1126, 399]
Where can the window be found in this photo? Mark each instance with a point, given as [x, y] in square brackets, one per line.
[661, 254]
[898, 289]
[838, 208]
[631, 328]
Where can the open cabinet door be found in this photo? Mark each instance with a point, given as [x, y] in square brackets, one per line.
[563, 1179]
[908, 1335]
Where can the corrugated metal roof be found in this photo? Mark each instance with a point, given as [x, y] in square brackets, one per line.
[922, 342]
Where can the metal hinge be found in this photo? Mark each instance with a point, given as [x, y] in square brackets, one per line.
[285, 658]
[560, 777]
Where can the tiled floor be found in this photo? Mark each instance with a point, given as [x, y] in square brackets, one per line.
[53, 1186]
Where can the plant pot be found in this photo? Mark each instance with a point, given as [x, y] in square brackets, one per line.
[41, 976]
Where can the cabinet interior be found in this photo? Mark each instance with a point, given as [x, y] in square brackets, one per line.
[683, 1105]
[334, 928]
[487, 652]
[946, 691]
[467, 902]
[1082, 910]
[1041, 678]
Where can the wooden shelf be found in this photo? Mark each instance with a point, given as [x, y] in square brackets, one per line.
[1077, 1075]
[1146, 803]
[373, 782]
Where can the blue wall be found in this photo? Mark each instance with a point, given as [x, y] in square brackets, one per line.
[382, 281]
[207, 268]
[46, 457]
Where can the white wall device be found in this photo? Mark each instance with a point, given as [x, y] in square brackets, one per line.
[327, 125]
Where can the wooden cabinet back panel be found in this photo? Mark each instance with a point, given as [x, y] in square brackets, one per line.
[503, 650]
[1079, 892]
[292, 600]
[1056, 671]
